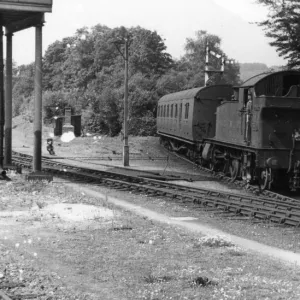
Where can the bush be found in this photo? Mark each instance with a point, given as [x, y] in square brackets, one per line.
[144, 126]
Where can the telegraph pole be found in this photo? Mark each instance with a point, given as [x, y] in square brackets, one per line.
[126, 42]
[126, 146]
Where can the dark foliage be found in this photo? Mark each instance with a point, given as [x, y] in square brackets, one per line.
[87, 70]
[283, 27]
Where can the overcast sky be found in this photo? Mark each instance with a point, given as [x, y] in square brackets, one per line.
[174, 20]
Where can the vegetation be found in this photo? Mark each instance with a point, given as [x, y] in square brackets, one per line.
[59, 252]
[249, 70]
[87, 70]
[283, 26]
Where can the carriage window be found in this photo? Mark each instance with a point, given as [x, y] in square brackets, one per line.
[186, 113]
[172, 111]
[176, 111]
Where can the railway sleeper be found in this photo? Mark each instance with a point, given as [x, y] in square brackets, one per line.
[292, 222]
[199, 201]
[276, 219]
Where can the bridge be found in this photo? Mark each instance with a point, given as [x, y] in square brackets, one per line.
[17, 15]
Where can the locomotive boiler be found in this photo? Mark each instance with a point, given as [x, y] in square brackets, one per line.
[256, 134]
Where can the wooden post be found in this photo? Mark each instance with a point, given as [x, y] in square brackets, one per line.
[1, 99]
[126, 146]
[37, 151]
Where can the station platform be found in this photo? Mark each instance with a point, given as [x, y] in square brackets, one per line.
[161, 168]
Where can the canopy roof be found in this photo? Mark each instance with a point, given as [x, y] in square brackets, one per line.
[257, 78]
[17, 15]
[186, 94]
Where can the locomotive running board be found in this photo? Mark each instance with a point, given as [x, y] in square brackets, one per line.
[242, 147]
[176, 138]
[229, 145]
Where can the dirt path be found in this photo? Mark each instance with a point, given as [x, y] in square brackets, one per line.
[195, 226]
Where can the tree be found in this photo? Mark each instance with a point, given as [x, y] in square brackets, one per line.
[147, 52]
[53, 65]
[23, 87]
[88, 69]
[188, 72]
[148, 61]
[283, 27]
[195, 54]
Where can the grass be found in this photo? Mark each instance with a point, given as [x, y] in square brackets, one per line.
[161, 262]
[268, 233]
[132, 257]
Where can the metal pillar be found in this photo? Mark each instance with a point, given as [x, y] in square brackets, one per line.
[8, 102]
[1, 99]
[37, 128]
[126, 146]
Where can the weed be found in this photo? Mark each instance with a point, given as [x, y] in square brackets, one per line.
[150, 278]
[41, 204]
[235, 251]
[215, 241]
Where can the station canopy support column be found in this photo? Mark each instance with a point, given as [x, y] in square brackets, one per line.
[37, 127]
[16, 16]
[8, 103]
[2, 106]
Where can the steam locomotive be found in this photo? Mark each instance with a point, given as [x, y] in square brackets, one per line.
[250, 132]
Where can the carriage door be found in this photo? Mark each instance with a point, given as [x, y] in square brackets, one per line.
[180, 116]
[243, 97]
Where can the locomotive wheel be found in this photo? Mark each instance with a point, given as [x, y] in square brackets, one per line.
[266, 179]
[234, 169]
[212, 165]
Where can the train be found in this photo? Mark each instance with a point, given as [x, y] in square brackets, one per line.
[249, 132]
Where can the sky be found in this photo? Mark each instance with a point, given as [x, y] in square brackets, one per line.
[174, 21]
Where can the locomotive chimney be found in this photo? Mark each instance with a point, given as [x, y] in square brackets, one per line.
[222, 63]
[206, 64]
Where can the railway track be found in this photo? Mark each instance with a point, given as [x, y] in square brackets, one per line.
[273, 207]
[239, 183]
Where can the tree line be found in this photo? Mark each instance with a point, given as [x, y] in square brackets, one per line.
[86, 70]
[282, 26]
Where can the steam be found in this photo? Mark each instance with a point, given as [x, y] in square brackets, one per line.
[67, 137]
